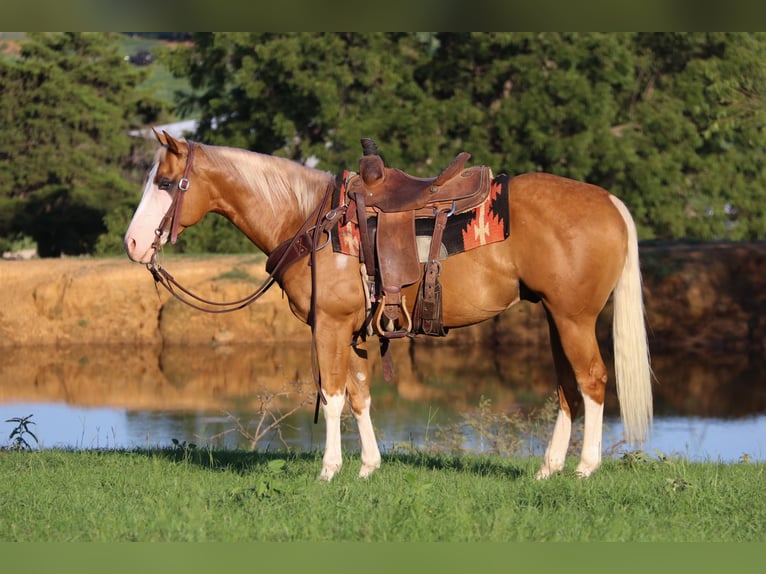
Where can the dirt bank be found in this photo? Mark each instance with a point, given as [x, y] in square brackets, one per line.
[697, 296]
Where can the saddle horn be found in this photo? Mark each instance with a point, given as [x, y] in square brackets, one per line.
[369, 147]
[371, 164]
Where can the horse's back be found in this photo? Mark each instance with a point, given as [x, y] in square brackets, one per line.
[568, 200]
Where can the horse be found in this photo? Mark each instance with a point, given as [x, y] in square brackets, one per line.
[572, 245]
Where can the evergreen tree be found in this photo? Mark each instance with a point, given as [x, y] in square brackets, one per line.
[68, 103]
[698, 170]
[309, 95]
[672, 123]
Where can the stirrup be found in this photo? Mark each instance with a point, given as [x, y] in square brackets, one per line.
[392, 312]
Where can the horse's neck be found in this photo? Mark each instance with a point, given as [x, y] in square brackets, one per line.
[268, 198]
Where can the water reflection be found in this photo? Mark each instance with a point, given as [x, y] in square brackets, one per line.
[131, 396]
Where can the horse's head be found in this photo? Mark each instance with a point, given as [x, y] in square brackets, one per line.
[168, 204]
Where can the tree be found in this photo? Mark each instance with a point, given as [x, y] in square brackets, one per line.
[308, 95]
[672, 123]
[68, 103]
[700, 135]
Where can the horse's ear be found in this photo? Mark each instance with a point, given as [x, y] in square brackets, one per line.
[158, 135]
[171, 143]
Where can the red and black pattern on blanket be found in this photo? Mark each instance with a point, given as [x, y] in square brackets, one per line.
[485, 224]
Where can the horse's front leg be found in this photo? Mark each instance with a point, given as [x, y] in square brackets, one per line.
[333, 457]
[333, 350]
[359, 395]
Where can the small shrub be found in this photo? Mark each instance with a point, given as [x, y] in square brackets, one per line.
[19, 434]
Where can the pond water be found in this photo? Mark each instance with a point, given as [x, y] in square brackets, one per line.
[444, 397]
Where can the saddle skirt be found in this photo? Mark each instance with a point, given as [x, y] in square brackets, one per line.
[486, 223]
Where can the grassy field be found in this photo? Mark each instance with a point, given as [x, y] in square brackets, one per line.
[195, 494]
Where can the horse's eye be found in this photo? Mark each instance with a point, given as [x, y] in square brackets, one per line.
[165, 184]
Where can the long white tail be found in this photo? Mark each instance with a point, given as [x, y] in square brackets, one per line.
[631, 351]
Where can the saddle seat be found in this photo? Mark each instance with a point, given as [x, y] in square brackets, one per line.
[389, 248]
[391, 190]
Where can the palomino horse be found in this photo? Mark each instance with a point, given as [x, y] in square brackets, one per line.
[571, 246]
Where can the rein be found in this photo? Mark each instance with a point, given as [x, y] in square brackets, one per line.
[307, 241]
[164, 278]
[288, 252]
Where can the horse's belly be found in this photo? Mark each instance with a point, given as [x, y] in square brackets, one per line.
[478, 285]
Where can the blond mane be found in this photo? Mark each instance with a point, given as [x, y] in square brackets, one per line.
[278, 179]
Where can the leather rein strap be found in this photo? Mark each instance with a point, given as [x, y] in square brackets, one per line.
[163, 277]
[288, 253]
[306, 234]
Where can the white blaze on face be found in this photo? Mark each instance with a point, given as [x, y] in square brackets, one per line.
[150, 211]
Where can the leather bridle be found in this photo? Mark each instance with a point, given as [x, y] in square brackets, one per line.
[304, 242]
[173, 214]
[163, 277]
[307, 241]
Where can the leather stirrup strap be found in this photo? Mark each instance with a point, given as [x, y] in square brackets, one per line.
[366, 253]
[428, 312]
[367, 256]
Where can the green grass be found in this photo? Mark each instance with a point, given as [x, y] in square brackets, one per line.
[195, 494]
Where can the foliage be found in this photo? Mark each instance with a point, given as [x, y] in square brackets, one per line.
[21, 432]
[307, 94]
[514, 433]
[68, 102]
[672, 123]
[269, 418]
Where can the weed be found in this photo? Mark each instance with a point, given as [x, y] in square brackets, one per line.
[272, 481]
[676, 484]
[18, 435]
[182, 447]
[635, 458]
[269, 419]
[513, 433]
[412, 500]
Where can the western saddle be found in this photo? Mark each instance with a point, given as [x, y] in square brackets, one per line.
[387, 203]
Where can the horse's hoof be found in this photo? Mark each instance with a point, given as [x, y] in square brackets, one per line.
[585, 470]
[367, 470]
[549, 468]
[328, 472]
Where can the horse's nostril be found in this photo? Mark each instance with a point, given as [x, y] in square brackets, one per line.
[130, 244]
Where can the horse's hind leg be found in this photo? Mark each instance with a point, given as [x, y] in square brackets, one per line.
[569, 405]
[581, 380]
[358, 388]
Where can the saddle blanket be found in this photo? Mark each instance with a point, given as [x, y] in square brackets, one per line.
[485, 224]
